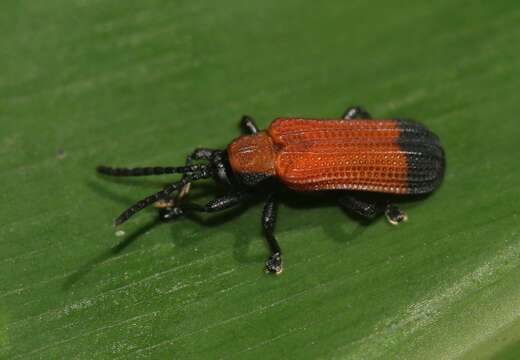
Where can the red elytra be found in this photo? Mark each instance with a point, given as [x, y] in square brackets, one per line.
[314, 155]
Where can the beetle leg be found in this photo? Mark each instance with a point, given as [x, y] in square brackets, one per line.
[371, 210]
[394, 215]
[368, 211]
[274, 263]
[215, 205]
[356, 112]
[248, 125]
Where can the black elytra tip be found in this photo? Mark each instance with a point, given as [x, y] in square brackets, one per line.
[424, 156]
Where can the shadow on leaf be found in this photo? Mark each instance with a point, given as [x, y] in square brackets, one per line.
[90, 265]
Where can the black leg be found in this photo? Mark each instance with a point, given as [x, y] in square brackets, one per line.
[248, 126]
[356, 112]
[274, 262]
[371, 210]
[215, 205]
[367, 210]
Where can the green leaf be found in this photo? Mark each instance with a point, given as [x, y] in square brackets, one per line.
[134, 83]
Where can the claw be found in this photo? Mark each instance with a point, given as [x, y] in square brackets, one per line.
[394, 215]
[273, 264]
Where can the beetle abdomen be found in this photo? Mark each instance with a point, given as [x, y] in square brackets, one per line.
[389, 156]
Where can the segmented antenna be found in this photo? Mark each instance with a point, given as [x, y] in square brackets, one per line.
[200, 172]
[147, 201]
[146, 171]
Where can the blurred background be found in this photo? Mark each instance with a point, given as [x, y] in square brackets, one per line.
[89, 82]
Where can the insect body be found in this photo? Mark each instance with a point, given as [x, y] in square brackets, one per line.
[352, 156]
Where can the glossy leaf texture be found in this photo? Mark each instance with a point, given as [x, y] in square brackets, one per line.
[134, 83]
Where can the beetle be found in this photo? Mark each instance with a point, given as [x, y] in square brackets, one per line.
[352, 156]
